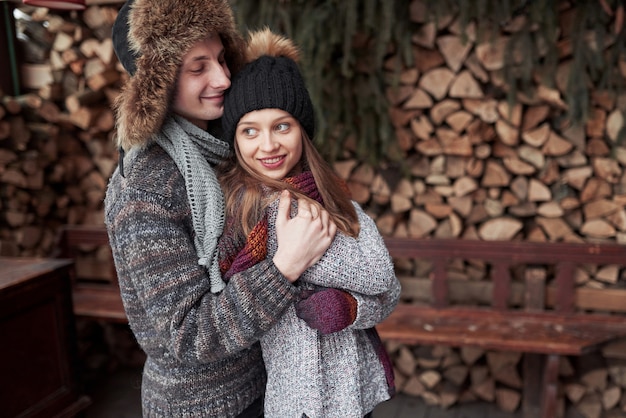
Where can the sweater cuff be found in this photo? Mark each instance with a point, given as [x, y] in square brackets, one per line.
[272, 288]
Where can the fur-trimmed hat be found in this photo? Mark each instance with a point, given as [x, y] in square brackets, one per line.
[150, 39]
[271, 79]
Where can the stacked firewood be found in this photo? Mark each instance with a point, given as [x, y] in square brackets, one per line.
[480, 167]
[477, 167]
[56, 148]
[594, 385]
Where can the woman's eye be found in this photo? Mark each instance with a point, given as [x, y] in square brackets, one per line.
[281, 127]
[249, 131]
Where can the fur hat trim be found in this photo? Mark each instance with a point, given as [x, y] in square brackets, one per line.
[159, 34]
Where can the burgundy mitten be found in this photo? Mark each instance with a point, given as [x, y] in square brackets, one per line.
[328, 311]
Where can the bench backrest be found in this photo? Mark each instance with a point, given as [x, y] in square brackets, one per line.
[89, 246]
[502, 256]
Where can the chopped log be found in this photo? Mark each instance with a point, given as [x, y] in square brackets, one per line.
[465, 86]
[36, 76]
[538, 192]
[454, 50]
[537, 136]
[577, 177]
[413, 386]
[485, 390]
[405, 361]
[533, 116]
[590, 406]
[596, 122]
[437, 82]
[550, 210]
[596, 147]
[495, 175]
[75, 101]
[532, 156]
[508, 399]
[491, 54]
[607, 169]
[425, 35]
[458, 121]
[420, 223]
[511, 114]
[611, 397]
[430, 378]
[422, 127]
[508, 134]
[486, 110]
[556, 229]
[442, 109]
[518, 167]
[598, 228]
[556, 145]
[599, 208]
[614, 124]
[500, 229]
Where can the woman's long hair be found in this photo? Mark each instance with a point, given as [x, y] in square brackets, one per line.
[246, 196]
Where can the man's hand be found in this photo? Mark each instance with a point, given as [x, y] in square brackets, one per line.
[303, 239]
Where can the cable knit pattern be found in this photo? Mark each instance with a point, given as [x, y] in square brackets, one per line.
[340, 374]
[204, 359]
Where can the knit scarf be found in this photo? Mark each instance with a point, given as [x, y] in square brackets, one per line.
[239, 256]
[195, 152]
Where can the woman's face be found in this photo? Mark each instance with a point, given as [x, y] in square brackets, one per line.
[270, 142]
[203, 78]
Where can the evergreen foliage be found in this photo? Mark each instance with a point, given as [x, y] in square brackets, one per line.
[344, 44]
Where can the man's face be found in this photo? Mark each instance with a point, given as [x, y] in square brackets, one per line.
[202, 81]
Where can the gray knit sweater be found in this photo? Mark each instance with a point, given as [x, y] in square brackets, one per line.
[203, 355]
[335, 375]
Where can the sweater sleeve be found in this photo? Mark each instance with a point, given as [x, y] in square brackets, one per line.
[360, 265]
[166, 293]
[364, 268]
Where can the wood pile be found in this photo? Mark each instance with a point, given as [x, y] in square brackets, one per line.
[477, 168]
[56, 148]
[481, 168]
[594, 385]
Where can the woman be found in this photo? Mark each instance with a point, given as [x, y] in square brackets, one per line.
[339, 367]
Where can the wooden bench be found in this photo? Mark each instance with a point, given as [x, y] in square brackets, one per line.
[529, 313]
[95, 289]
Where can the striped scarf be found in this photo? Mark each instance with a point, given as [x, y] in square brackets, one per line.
[236, 256]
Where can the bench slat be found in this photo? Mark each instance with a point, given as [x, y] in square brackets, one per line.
[536, 332]
[95, 290]
[98, 303]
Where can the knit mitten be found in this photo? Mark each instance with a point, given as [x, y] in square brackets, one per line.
[328, 311]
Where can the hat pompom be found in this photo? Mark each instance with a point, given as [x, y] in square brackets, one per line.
[271, 79]
[265, 42]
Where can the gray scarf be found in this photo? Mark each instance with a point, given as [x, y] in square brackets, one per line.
[195, 152]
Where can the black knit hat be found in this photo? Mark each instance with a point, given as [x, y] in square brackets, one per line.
[119, 35]
[268, 82]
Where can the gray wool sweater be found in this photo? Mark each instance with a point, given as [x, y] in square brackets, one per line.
[340, 374]
[203, 354]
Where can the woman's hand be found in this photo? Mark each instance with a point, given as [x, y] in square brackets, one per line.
[303, 239]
